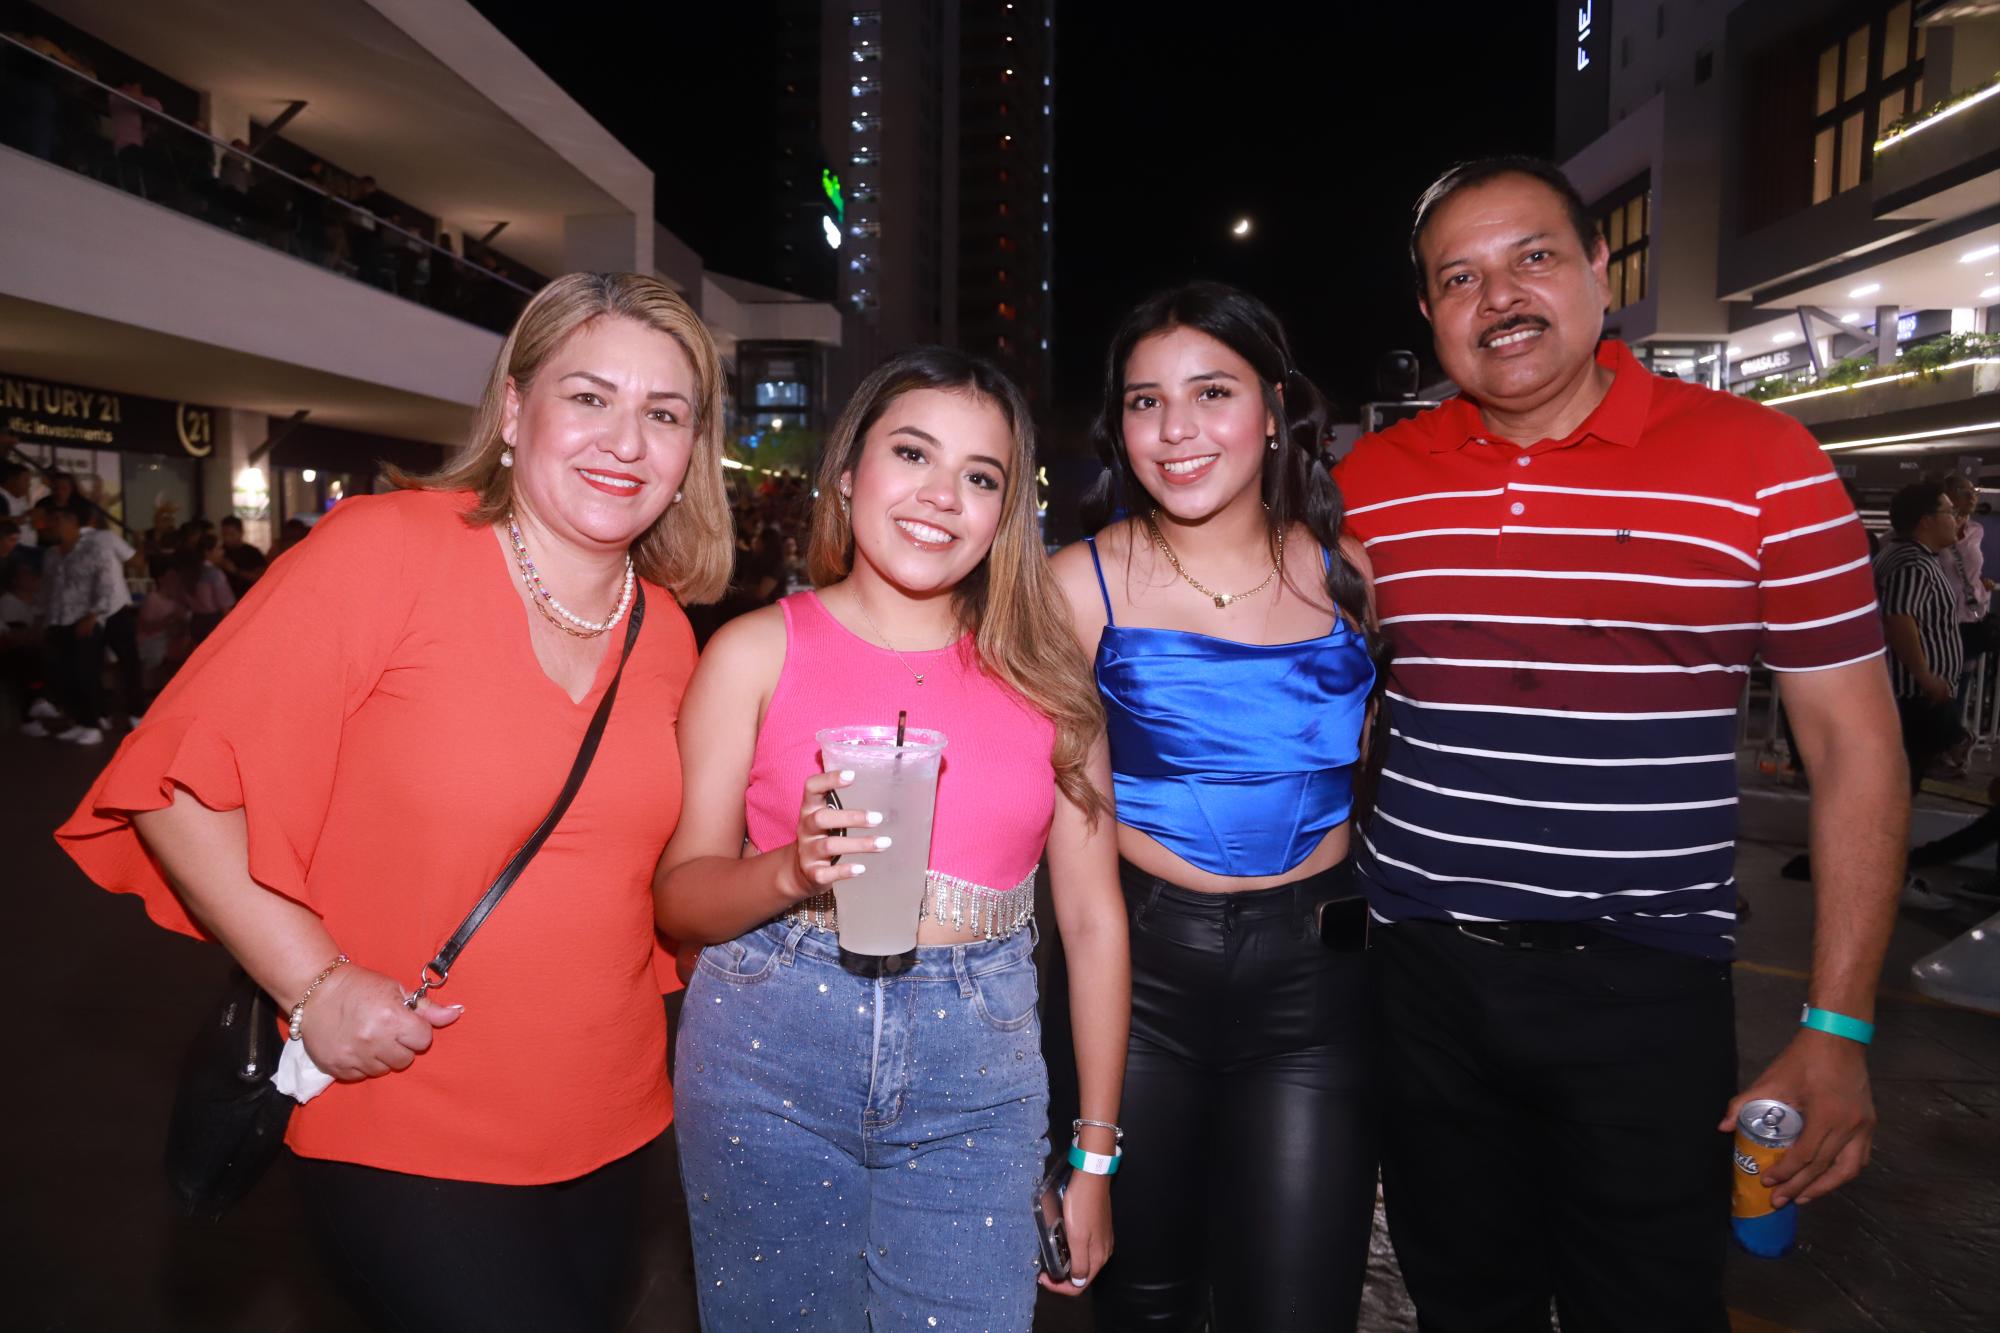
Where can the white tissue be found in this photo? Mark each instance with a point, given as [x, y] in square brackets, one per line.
[298, 1077]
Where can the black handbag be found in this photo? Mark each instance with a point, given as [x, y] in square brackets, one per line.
[228, 1119]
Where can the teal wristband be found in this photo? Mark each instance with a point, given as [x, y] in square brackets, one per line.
[1094, 1163]
[1839, 1025]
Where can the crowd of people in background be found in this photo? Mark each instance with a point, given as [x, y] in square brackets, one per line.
[135, 609]
[94, 624]
[771, 513]
[119, 133]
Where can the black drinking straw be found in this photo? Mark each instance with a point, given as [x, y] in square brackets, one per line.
[902, 721]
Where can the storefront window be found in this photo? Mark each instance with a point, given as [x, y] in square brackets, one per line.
[309, 493]
[133, 456]
[156, 485]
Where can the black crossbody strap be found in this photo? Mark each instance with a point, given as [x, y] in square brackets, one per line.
[438, 970]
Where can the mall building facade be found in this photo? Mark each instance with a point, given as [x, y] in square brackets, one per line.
[1802, 204]
[253, 256]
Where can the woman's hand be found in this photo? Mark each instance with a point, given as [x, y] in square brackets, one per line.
[1087, 1219]
[355, 1025]
[822, 836]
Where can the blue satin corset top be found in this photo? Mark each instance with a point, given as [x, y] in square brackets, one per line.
[1237, 757]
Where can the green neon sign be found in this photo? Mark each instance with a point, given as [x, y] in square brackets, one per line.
[830, 183]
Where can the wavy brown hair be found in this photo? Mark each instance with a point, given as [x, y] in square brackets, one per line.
[1009, 602]
[690, 548]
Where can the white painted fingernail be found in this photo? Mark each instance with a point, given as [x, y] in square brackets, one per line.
[847, 775]
[1079, 1282]
[858, 868]
[884, 844]
[874, 817]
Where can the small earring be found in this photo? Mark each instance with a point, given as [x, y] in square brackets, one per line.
[677, 497]
[506, 458]
[843, 504]
[1272, 444]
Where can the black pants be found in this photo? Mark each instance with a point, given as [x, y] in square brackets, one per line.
[1929, 729]
[76, 672]
[1549, 1132]
[419, 1255]
[121, 636]
[1250, 1187]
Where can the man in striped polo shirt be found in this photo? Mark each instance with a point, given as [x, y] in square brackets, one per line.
[1575, 563]
[1920, 614]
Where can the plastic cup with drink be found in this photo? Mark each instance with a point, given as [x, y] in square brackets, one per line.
[895, 773]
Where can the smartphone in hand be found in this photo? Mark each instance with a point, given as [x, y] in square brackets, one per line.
[1050, 1228]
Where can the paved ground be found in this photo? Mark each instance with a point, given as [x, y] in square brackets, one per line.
[101, 1003]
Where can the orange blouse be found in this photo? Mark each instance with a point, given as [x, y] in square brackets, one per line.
[376, 710]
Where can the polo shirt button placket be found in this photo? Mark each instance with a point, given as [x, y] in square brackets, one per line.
[1517, 509]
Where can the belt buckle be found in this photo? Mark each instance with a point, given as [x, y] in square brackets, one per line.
[1466, 930]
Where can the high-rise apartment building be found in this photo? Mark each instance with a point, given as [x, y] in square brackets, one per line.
[934, 197]
[1006, 155]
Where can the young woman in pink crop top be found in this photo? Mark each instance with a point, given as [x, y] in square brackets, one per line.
[864, 1146]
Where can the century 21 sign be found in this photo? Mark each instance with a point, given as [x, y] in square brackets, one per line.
[43, 411]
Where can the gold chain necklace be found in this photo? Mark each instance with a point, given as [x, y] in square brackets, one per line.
[1221, 599]
[862, 606]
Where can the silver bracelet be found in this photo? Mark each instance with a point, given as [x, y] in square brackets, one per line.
[1117, 1134]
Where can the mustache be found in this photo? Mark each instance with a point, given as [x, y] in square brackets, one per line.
[1509, 324]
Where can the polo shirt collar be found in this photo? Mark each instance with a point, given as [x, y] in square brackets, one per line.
[1619, 419]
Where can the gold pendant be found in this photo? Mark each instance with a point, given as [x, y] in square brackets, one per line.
[1223, 599]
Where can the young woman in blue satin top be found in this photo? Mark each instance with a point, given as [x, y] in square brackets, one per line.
[1229, 624]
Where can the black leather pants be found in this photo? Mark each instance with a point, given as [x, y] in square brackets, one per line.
[1247, 1192]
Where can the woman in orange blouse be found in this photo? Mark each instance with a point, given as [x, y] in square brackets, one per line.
[342, 769]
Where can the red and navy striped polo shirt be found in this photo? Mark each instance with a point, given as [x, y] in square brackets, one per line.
[1572, 625]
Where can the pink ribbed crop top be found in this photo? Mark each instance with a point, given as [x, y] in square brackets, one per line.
[996, 786]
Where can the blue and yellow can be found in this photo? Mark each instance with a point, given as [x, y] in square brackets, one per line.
[1765, 1132]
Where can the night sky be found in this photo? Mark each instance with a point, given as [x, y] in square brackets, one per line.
[1322, 122]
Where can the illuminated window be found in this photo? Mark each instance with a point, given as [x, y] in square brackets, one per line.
[1005, 310]
[1624, 220]
[1865, 80]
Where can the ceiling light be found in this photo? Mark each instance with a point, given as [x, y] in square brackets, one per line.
[1866, 289]
[1983, 252]
[1784, 336]
[1735, 351]
[1990, 294]
[1851, 317]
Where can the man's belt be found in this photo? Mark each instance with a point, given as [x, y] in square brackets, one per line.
[1554, 935]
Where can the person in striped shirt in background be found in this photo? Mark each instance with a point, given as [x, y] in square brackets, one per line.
[1920, 615]
[1576, 564]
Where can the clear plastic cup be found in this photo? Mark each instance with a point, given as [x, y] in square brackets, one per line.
[877, 912]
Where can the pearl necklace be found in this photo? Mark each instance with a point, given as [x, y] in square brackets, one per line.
[564, 619]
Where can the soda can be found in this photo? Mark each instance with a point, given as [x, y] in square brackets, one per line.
[1765, 1131]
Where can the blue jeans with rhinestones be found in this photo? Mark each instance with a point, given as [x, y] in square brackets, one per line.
[862, 1152]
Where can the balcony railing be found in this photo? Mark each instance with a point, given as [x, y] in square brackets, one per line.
[68, 118]
[1920, 361]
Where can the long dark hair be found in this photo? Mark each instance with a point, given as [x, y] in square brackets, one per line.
[1297, 483]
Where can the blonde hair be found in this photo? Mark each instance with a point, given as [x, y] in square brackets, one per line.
[691, 547]
[1010, 602]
